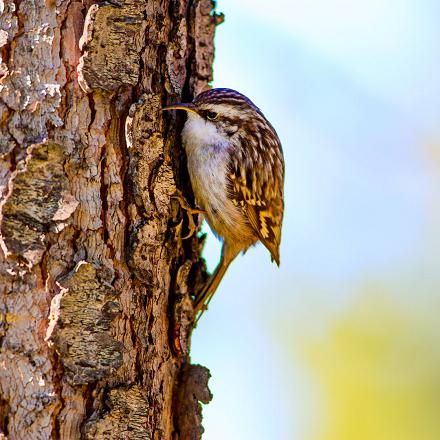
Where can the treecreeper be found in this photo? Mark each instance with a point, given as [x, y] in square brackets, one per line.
[236, 167]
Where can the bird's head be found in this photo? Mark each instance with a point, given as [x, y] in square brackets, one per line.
[220, 113]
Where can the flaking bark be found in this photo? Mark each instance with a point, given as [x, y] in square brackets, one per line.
[95, 282]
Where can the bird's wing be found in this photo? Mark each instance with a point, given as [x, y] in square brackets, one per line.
[255, 184]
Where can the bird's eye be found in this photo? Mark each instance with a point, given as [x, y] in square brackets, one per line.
[212, 116]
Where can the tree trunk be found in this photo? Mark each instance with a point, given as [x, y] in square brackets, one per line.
[95, 281]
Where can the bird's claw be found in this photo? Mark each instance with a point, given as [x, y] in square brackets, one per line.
[189, 212]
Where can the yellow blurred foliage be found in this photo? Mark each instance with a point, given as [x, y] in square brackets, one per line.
[377, 368]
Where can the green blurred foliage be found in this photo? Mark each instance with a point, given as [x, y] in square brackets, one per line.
[376, 366]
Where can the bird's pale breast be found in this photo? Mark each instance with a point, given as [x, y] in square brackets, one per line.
[207, 166]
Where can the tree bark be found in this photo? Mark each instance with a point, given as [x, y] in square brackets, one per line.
[95, 281]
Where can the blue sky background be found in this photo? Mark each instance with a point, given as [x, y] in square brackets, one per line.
[353, 89]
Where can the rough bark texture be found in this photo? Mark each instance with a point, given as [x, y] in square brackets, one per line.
[95, 282]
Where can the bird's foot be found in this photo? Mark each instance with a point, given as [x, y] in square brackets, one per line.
[189, 212]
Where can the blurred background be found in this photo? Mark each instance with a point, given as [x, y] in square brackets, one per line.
[343, 341]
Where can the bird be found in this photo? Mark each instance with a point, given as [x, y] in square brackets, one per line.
[236, 167]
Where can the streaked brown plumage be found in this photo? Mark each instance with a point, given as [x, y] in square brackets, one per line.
[236, 166]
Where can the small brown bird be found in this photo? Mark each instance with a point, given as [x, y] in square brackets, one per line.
[236, 166]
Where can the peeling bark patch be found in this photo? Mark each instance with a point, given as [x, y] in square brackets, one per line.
[127, 418]
[38, 197]
[28, 394]
[193, 389]
[112, 40]
[154, 183]
[80, 325]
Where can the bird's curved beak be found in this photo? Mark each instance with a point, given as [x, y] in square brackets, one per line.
[186, 107]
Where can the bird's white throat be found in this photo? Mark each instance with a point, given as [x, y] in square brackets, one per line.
[200, 133]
